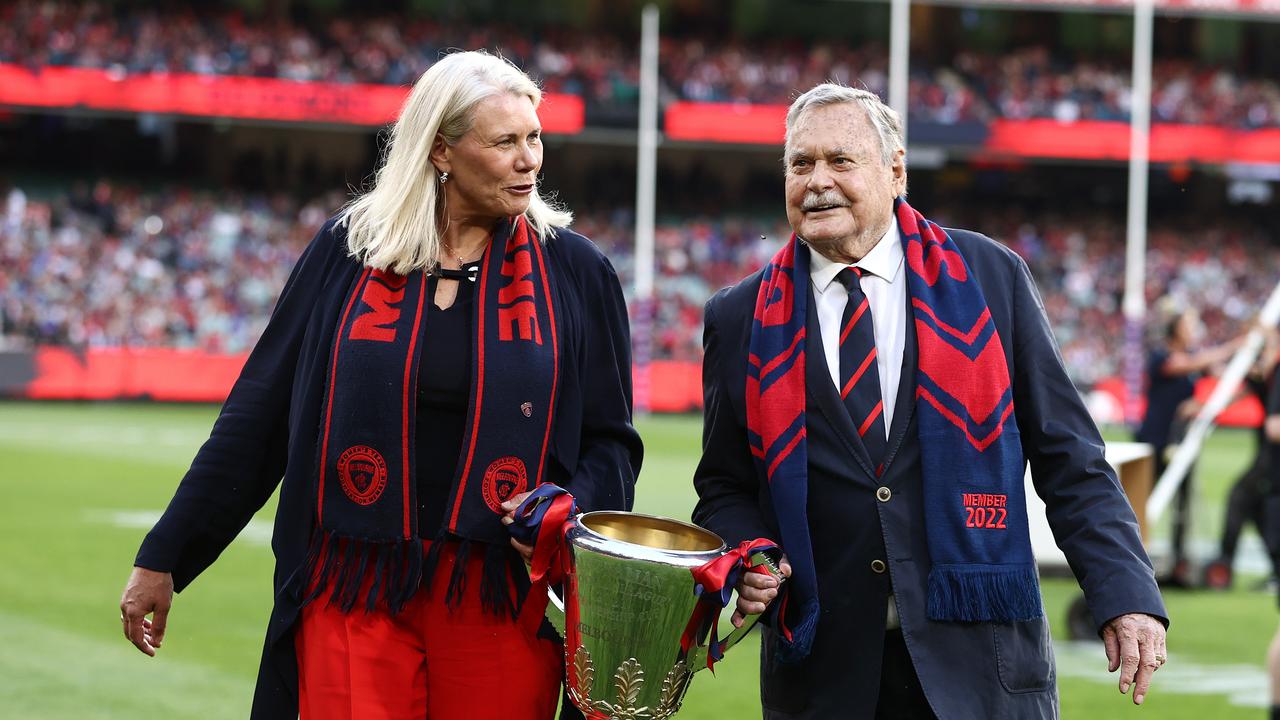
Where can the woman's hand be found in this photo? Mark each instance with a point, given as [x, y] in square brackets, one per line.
[148, 592]
[1189, 409]
[509, 507]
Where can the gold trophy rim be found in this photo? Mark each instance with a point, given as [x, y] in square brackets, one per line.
[675, 527]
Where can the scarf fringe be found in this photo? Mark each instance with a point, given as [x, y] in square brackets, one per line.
[395, 570]
[432, 559]
[458, 575]
[802, 633]
[984, 593]
[495, 588]
[339, 566]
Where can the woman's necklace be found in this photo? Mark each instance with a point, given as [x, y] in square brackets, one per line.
[463, 272]
[459, 258]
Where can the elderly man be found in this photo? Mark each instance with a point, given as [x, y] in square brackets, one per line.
[872, 398]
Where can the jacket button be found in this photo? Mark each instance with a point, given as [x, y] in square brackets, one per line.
[883, 494]
[877, 566]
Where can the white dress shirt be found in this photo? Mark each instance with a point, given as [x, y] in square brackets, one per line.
[885, 285]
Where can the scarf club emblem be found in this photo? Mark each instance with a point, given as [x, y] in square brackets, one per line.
[363, 473]
[504, 478]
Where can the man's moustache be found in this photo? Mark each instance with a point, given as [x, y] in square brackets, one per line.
[817, 201]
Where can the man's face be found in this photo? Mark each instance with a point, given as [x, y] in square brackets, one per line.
[839, 192]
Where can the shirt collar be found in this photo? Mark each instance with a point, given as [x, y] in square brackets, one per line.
[884, 261]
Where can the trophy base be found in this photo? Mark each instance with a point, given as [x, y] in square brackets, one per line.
[628, 681]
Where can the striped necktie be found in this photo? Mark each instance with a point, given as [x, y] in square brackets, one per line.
[859, 376]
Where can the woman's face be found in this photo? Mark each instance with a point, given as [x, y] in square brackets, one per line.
[493, 168]
[1190, 330]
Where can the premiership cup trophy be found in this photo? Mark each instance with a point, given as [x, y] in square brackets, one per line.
[629, 597]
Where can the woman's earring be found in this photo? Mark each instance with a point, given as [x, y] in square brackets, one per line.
[444, 177]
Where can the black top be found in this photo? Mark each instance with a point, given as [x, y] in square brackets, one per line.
[1272, 407]
[1164, 394]
[444, 383]
[1258, 387]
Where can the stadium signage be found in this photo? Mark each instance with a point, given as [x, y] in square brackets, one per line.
[1035, 138]
[170, 374]
[1208, 7]
[1109, 140]
[740, 123]
[726, 122]
[225, 96]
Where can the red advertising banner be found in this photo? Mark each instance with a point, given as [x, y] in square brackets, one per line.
[1101, 140]
[1209, 7]
[726, 122]
[233, 97]
[165, 374]
[122, 373]
[172, 375]
[372, 105]
[1039, 138]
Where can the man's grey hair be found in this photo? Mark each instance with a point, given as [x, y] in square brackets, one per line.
[883, 118]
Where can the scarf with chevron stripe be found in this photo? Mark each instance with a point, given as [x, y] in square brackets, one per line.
[971, 455]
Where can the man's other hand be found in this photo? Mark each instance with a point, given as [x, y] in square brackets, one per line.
[148, 592]
[1135, 645]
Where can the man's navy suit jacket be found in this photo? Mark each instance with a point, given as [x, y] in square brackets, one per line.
[980, 671]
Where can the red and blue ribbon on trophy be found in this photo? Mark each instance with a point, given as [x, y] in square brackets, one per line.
[541, 521]
[714, 583]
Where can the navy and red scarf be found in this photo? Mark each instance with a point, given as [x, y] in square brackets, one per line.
[367, 539]
[979, 546]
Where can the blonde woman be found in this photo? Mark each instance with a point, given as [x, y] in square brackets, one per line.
[444, 346]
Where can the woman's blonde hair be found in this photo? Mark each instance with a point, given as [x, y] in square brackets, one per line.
[398, 223]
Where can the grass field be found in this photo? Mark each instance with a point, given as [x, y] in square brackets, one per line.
[82, 483]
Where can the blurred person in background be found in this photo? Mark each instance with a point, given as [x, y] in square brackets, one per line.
[1271, 526]
[1245, 501]
[860, 395]
[1172, 371]
[443, 346]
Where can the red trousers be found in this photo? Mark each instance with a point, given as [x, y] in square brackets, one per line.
[428, 661]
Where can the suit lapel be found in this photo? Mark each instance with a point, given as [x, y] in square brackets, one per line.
[822, 392]
[905, 405]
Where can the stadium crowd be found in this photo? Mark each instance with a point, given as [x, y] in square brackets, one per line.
[106, 265]
[971, 86]
[110, 265]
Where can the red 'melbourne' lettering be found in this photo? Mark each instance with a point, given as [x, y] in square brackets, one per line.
[381, 301]
[519, 269]
[522, 318]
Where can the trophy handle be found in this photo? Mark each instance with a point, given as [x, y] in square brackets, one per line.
[555, 611]
[699, 655]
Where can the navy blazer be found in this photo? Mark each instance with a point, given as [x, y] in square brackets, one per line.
[267, 431]
[977, 671]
